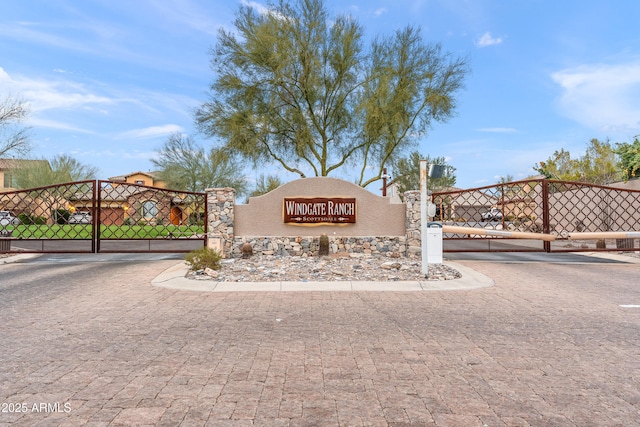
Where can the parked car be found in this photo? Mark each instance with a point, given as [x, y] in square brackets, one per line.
[6, 218]
[494, 214]
[80, 218]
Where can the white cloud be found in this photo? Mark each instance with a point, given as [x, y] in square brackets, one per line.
[261, 9]
[187, 13]
[488, 40]
[605, 97]
[51, 94]
[59, 125]
[151, 131]
[380, 11]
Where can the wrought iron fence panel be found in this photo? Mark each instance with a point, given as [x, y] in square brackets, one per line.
[576, 207]
[138, 218]
[102, 216]
[48, 219]
[513, 206]
[539, 206]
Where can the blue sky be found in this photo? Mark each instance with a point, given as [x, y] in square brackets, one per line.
[109, 80]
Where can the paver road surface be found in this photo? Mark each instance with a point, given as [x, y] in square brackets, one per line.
[95, 344]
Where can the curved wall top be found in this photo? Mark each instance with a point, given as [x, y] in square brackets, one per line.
[264, 215]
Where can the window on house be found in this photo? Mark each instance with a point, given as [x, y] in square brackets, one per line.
[149, 209]
[140, 182]
[9, 180]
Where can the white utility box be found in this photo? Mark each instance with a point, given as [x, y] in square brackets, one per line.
[434, 243]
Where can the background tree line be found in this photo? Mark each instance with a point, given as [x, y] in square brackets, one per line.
[15, 141]
[602, 163]
[300, 89]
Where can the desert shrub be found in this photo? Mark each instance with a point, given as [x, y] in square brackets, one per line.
[196, 218]
[29, 219]
[204, 258]
[61, 216]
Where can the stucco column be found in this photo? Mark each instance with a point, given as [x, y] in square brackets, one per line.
[413, 223]
[221, 206]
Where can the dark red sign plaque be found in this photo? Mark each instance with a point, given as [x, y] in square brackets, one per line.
[319, 210]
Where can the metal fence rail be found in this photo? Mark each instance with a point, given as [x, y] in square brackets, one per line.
[44, 219]
[137, 218]
[102, 216]
[539, 206]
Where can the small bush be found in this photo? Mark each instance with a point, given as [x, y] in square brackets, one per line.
[30, 219]
[196, 218]
[61, 216]
[204, 258]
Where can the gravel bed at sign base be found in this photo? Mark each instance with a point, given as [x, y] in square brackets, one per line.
[336, 267]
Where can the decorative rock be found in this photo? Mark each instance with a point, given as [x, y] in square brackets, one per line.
[247, 250]
[389, 265]
[211, 273]
[260, 268]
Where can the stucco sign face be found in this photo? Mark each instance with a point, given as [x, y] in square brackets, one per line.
[319, 210]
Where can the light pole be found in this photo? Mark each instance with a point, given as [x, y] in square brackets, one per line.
[385, 176]
[423, 216]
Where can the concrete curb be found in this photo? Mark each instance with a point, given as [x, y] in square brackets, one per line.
[174, 278]
[614, 257]
[17, 258]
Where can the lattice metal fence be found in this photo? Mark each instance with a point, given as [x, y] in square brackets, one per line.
[44, 219]
[539, 206]
[135, 218]
[103, 216]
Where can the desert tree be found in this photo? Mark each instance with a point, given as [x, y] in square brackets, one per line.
[296, 87]
[629, 158]
[265, 184]
[60, 169]
[406, 171]
[14, 136]
[185, 165]
[598, 165]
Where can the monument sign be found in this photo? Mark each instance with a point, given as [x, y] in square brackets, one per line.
[319, 210]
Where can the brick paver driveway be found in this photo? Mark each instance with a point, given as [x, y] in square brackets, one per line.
[95, 344]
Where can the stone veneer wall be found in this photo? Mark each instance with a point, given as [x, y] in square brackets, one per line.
[221, 204]
[413, 223]
[307, 246]
[220, 207]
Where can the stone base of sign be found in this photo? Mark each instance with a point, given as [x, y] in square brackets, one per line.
[309, 246]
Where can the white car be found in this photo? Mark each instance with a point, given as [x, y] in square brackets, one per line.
[6, 218]
[80, 218]
[494, 214]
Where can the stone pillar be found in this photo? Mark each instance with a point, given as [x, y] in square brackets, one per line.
[220, 206]
[413, 223]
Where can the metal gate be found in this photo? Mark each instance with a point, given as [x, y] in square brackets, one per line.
[539, 206]
[102, 216]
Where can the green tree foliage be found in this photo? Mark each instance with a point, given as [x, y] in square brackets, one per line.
[629, 155]
[14, 138]
[407, 173]
[296, 87]
[265, 184]
[63, 168]
[597, 166]
[506, 179]
[184, 165]
[558, 166]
